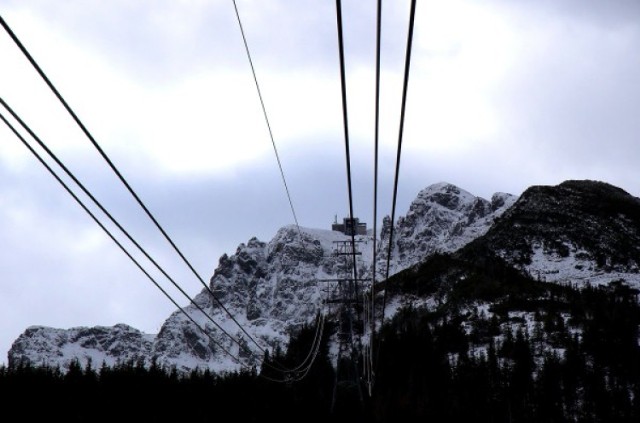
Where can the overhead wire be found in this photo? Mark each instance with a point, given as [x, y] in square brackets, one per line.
[303, 371]
[70, 174]
[316, 339]
[273, 143]
[317, 349]
[84, 129]
[353, 226]
[345, 121]
[266, 118]
[375, 196]
[400, 135]
[299, 372]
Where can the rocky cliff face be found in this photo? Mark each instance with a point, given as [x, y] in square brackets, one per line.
[578, 231]
[442, 219]
[271, 289]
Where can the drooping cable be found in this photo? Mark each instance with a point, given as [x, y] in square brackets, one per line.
[313, 353]
[275, 148]
[266, 119]
[301, 371]
[272, 138]
[316, 338]
[118, 225]
[345, 121]
[39, 70]
[115, 240]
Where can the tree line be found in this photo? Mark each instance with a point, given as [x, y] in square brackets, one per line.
[577, 360]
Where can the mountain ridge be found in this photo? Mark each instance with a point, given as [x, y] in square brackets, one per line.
[271, 287]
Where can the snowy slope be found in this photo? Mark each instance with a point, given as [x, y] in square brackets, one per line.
[577, 232]
[50, 346]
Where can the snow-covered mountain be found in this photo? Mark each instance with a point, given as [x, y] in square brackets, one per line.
[579, 231]
[442, 219]
[100, 344]
[270, 288]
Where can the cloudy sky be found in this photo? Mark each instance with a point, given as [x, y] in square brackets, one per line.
[503, 95]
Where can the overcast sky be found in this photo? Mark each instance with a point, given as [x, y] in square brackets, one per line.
[502, 95]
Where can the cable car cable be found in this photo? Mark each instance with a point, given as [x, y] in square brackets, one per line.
[397, 170]
[375, 191]
[266, 118]
[345, 122]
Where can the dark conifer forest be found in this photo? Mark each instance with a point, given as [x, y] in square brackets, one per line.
[432, 366]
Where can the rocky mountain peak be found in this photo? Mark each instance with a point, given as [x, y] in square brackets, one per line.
[500, 199]
[442, 218]
[443, 194]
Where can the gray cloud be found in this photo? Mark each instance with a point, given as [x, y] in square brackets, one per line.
[555, 100]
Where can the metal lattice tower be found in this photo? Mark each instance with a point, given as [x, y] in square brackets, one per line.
[345, 294]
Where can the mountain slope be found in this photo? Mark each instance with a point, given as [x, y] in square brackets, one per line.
[577, 232]
[43, 345]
